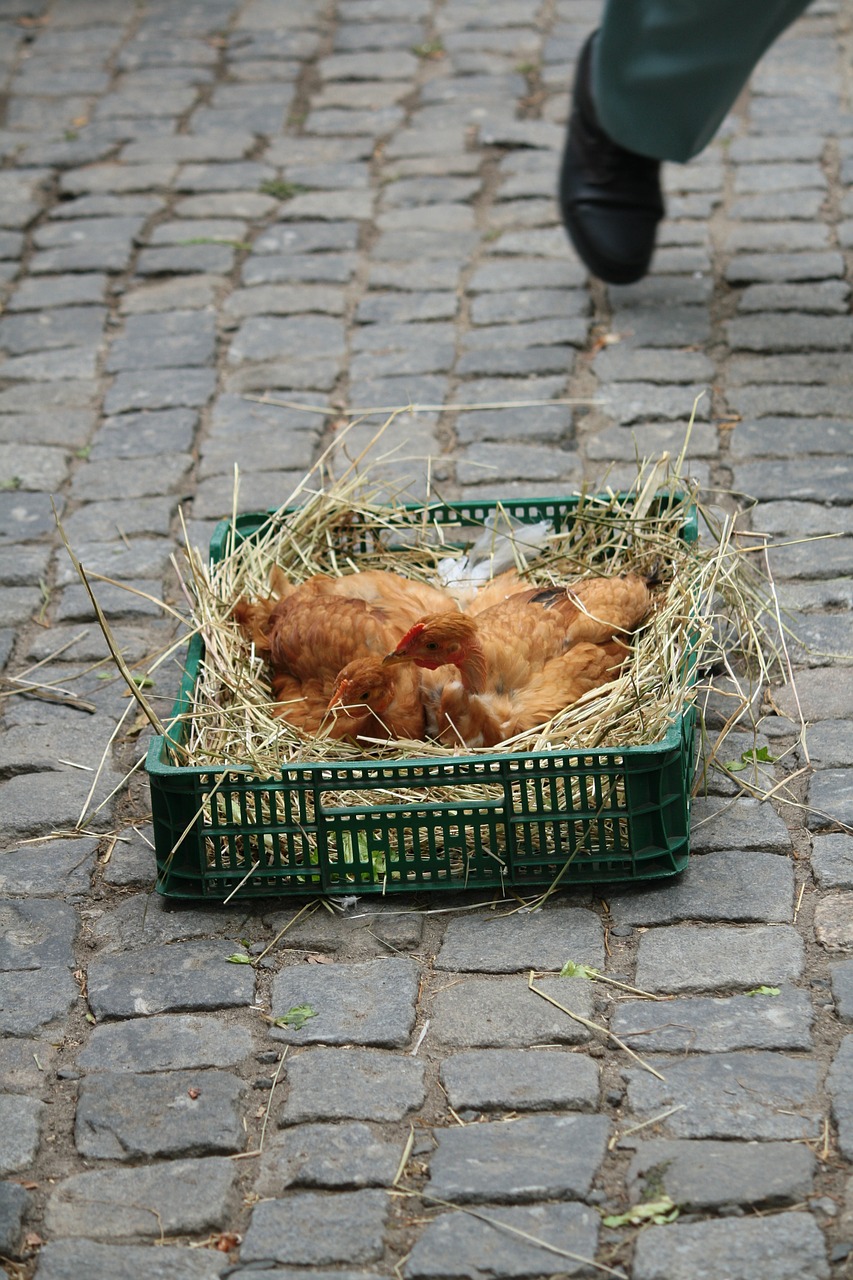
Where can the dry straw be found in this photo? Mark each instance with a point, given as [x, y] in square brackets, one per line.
[713, 608]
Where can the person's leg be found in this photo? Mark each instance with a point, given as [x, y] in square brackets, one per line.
[665, 72]
[654, 83]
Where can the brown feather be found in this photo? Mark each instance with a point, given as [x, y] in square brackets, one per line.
[486, 719]
[302, 703]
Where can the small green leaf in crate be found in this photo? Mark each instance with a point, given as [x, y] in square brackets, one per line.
[572, 970]
[764, 991]
[239, 957]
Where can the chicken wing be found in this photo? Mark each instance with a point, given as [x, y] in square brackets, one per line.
[488, 718]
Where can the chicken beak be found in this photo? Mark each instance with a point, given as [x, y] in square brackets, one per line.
[337, 698]
[391, 658]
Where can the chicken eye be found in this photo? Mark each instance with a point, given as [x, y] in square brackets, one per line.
[431, 644]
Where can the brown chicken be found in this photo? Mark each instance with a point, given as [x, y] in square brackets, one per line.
[371, 702]
[302, 703]
[515, 663]
[307, 628]
[502, 647]
[315, 629]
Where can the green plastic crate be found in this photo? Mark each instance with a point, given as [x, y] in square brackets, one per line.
[529, 819]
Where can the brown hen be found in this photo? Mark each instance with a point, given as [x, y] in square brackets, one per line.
[315, 629]
[514, 660]
[371, 701]
[485, 719]
[502, 647]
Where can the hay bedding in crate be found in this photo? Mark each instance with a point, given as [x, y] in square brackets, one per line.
[339, 527]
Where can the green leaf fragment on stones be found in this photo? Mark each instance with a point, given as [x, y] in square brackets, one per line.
[756, 755]
[295, 1017]
[659, 1212]
[572, 970]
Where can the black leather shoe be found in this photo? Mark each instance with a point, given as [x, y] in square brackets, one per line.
[610, 198]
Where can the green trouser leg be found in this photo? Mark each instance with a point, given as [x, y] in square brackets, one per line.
[665, 72]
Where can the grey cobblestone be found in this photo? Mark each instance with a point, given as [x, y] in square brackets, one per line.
[58, 327]
[479, 1012]
[819, 637]
[544, 940]
[74, 604]
[682, 958]
[743, 824]
[482, 463]
[726, 885]
[479, 1245]
[842, 989]
[178, 339]
[214, 259]
[168, 1043]
[711, 1175]
[717, 1024]
[832, 861]
[353, 204]
[370, 1004]
[179, 1197]
[59, 866]
[353, 1234]
[22, 1120]
[831, 797]
[516, 1080]
[629, 402]
[138, 921]
[159, 389]
[360, 1084]
[816, 699]
[331, 1156]
[828, 297]
[735, 1095]
[183, 292]
[787, 1246]
[525, 362]
[73, 1258]
[157, 980]
[15, 1203]
[299, 268]
[271, 300]
[624, 363]
[535, 1158]
[121, 1117]
[775, 437]
[753, 268]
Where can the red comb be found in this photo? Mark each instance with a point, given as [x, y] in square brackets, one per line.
[411, 634]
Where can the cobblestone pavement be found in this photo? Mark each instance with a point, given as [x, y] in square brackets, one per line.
[350, 202]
